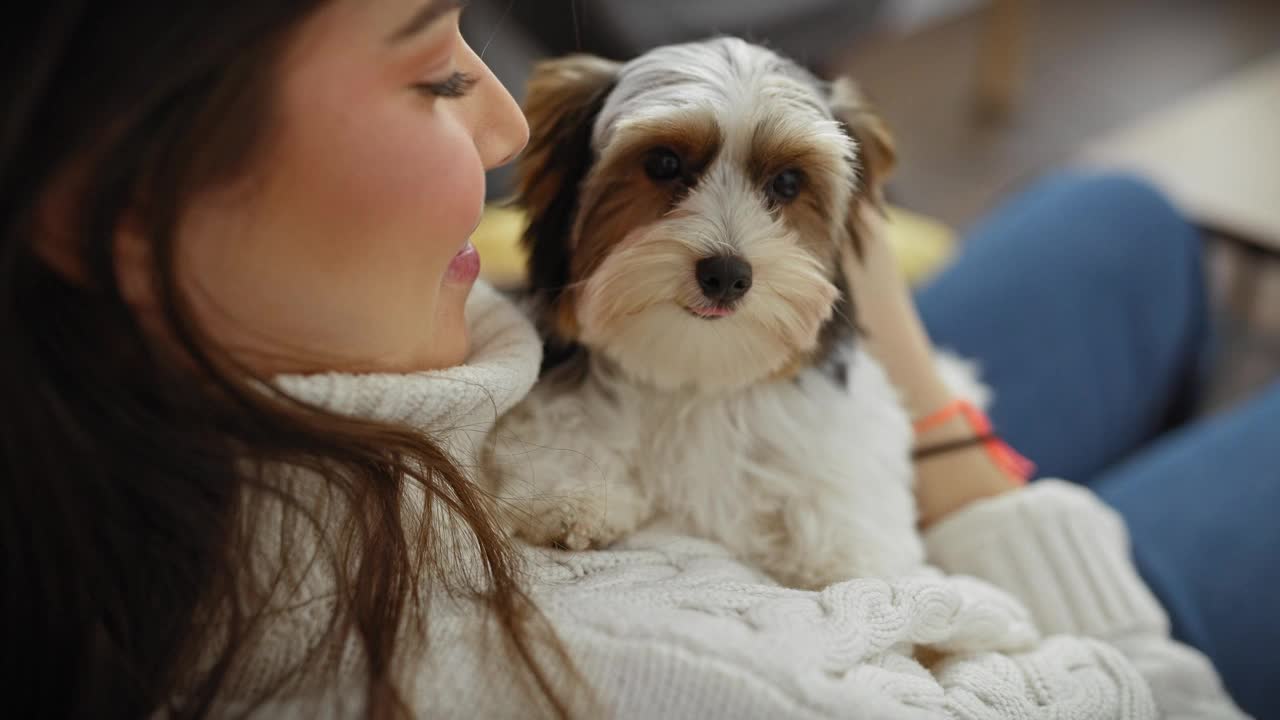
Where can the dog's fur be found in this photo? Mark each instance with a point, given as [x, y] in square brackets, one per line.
[767, 430]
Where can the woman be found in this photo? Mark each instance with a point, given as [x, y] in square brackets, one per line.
[245, 398]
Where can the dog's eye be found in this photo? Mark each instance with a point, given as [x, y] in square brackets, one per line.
[786, 185]
[662, 164]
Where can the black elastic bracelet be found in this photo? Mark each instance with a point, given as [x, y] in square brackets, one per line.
[952, 446]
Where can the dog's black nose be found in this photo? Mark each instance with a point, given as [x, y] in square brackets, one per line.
[723, 278]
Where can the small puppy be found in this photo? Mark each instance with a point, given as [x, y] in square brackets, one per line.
[691, 215]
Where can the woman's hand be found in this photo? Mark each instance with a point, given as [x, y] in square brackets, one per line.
[895, 335]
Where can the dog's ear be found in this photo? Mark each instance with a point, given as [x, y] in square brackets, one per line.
[875, 158]
[873, 162]
[564, 97]
[876, 153]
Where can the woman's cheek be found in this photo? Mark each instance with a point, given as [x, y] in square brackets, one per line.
[455, 188]
[436, 182]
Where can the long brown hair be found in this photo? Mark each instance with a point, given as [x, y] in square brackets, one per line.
[122, 512]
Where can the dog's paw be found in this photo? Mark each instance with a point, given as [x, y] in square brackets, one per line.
[839, 568]
[580, 521]
[850, 552]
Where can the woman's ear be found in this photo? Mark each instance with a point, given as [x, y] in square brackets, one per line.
[56, 244]
[564, 97]
[876, 154]
[135, 273]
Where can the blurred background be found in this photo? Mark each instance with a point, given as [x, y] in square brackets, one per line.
[983, 96]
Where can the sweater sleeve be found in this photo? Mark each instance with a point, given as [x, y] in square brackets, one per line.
[1065, 554]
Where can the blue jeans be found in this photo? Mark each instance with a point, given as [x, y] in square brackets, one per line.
[1084, 302]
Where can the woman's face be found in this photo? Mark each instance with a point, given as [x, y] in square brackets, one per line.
[346, 246]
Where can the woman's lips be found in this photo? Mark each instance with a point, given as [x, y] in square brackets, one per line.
[465, 266]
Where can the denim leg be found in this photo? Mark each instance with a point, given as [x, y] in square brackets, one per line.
[1202, 507]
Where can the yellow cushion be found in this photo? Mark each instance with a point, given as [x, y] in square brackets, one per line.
[923, 245]
[498, 240]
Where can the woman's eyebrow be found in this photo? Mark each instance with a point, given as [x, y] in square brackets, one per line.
[431, 11]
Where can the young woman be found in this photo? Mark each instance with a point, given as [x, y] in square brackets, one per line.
[243, 396]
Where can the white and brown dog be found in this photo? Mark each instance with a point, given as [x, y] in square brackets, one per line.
[691, 212]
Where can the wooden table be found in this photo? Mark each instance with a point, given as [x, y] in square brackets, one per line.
[1216, 153]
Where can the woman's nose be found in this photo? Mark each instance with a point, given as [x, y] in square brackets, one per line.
[499, 129]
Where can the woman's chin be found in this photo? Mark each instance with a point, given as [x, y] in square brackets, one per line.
[450, 342]
[457, 352]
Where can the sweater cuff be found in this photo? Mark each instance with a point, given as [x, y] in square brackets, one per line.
[1060, 550]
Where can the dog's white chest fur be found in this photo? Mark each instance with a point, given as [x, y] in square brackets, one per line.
[808, 479]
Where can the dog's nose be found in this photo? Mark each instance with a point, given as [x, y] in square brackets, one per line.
[723, 278]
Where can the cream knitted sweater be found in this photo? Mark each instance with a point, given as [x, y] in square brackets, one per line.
[1033, 604]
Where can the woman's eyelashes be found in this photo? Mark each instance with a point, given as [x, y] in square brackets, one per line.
[455, 86]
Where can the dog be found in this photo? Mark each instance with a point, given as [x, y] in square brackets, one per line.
[692, 213]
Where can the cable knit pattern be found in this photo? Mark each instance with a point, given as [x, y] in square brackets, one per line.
[1099, 594]
[1066, 555]
[662, 626]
